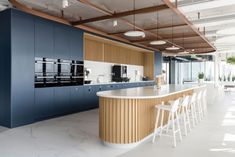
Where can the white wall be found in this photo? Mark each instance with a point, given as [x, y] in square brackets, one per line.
[103, 71]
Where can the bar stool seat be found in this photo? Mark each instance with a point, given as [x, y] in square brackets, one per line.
[173, 117]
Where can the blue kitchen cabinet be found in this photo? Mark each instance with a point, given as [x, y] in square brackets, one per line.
[88, 98]
[5, 68]
[61, 41]
[77, 98]
[76, 44]
[22, 68]
[62, 101]
[44, 38]
[44, 103]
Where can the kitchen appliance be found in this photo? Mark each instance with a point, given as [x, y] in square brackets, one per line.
[58, 72]
[119, 73]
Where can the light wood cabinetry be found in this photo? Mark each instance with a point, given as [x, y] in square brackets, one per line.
[103, 50]
[149, 65]
[94, 50]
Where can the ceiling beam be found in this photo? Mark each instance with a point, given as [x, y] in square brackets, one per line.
[166, 38]
[92, 5]
[23, 7]
[154, 28]
[123, 14]
[180, 15]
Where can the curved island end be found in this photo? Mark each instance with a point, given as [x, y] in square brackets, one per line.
[127, 116]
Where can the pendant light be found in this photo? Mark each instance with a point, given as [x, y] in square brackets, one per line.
[183, 52]
[134, 32]
[157, 42]
[173, 47]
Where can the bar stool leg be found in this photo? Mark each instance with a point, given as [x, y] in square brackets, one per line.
[162, 122]
[168, 122]
[173, 127]
[156, 125]
[195, 113]
[178, 125]
[188, 119]
[184, 121]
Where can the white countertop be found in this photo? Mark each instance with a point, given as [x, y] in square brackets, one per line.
[103, 83]
[147, 92]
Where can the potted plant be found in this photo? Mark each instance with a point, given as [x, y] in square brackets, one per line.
[200, 77]
[233, 78]
[231, 60]
[224, 78]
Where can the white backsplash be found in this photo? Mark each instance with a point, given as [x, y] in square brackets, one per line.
[102, 70]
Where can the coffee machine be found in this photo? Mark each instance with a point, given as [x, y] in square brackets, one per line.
[119, 73]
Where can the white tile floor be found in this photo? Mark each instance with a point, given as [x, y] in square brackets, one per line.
[77, 136]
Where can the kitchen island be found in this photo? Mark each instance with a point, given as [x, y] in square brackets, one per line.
[127, 116]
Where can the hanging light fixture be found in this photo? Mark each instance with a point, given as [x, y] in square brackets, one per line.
[173, 47]
[157, 42]
[65, 3]
[183, 52]
[134, 32]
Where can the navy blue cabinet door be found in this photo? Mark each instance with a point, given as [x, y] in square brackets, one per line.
[61, 41]
[76, 44]
[44, 39]
[62, 100]
[22, 62]
[77, 98]
[44, 103]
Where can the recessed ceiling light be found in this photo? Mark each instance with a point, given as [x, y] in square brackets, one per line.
[115, 23]
[172, 48]
[158, 42]
[65, 3]
[193, 50]
[134, 34]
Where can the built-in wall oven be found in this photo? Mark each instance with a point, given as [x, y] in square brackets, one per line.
[58, 72]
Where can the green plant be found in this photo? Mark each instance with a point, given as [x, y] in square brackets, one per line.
[201, 75]
[233, 78]
[231, 60]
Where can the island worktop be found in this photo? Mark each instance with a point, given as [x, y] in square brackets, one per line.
[127, 116]
[147, 92]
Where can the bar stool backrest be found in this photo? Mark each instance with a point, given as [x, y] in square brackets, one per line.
[199, 95]
[185, 101]
[204, 93]
[175, 105]
[193, 98]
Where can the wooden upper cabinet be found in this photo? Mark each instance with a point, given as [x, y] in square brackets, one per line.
[94, 50]
[149, 65]
[122, 55]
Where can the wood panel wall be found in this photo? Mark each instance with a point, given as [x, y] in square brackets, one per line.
[125, 121]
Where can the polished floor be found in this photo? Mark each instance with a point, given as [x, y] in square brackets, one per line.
[77, 136]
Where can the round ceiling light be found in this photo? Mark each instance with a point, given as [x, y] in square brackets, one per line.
[172, 48]
[227, 31]
[134, 34]
[158, 42]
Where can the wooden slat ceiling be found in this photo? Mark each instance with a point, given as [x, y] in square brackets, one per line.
[159, 19]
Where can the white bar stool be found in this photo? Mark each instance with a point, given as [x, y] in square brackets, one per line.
[204, 101]
[173, 115]
[192, 110]
[199, 111]
[185, 114]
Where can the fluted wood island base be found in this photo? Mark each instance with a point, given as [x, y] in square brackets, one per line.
[127, 116]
